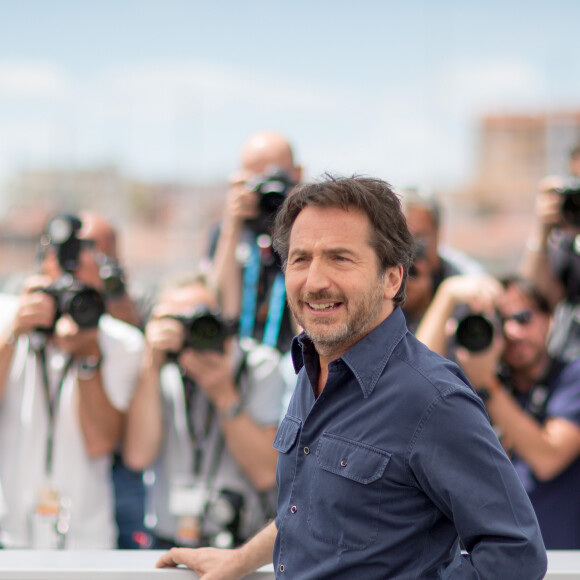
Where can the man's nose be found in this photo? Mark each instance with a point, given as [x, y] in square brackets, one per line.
[318, 276]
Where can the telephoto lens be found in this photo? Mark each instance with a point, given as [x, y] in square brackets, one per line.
[474, 332]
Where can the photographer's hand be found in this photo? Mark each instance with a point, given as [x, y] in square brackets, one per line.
[535, 263]
[249, 443]
[477, 291]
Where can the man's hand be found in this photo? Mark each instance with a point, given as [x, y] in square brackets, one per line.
[480, 367]
[213, 372]
[79, 342]
[162, 335]
[209, 563]
[36, 309]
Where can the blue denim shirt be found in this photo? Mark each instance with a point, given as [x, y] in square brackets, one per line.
[394, 462]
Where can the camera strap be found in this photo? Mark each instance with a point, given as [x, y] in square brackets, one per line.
[52, 400]
[251, 278]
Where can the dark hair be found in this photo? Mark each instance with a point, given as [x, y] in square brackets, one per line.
[528, 289]
[391, 240]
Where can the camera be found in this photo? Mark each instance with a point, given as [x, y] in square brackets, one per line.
[570, 193]
[83, 303]
[113, 277]
[475, 332]
[61, 234]
[206, 329]
[272, 187]
[221, 526]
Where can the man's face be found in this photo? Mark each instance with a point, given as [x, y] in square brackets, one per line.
[525, 330]
[334, 286]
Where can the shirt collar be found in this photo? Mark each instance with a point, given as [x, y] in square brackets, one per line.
[368, 357]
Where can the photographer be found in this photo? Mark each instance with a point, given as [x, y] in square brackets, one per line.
[204, 416]
[552, 256]
[434, 261]
[533, 399]
[66, 375]
[244, 271]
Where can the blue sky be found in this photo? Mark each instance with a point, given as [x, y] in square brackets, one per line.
[169, 89]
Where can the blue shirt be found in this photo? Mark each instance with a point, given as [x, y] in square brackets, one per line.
[557, 501]
[396, 459]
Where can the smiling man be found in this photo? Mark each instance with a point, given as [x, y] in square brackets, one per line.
[386, 456]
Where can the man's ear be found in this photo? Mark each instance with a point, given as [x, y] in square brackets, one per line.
[393, 281]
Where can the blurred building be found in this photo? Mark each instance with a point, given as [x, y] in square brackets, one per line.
[163, 227]
[491, 216]
[516, 151]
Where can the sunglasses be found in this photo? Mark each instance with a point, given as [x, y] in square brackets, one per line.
[522, 318]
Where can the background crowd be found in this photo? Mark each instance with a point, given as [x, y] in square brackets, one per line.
[146, 420]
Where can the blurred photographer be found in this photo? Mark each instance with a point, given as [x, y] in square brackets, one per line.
[533, 398]
[67, 370]
[245, 271]
[552, 255]
[434, 261]
[204, 417]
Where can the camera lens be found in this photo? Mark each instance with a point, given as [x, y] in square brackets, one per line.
[571, 208]
[474, 332]
[84, 305]
[206, 333]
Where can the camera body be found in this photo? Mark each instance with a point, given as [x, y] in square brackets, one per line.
[570, 193]
[272, 187]
[222, 519]
[475, 332]
[84, 304]
[112, 276]
[205, 329]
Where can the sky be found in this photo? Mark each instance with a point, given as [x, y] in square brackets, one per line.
[170, 89]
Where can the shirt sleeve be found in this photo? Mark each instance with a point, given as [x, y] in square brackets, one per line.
[565, 401]
[460, 464]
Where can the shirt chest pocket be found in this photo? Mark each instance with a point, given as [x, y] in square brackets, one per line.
[346, 492]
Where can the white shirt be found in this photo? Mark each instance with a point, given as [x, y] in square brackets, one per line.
[24, 424]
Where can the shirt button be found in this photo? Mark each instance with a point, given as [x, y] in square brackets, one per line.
[294, 509]
[306, 450]
[343, 462]
[282, 568]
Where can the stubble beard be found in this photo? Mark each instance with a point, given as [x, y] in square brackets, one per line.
[328, 337]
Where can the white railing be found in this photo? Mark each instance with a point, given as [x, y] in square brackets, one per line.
[140, 565]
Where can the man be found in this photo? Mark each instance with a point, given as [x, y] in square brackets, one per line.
[204, 416]
[533, 399]
[552, 256]
[434, 261]
[245, 271]
[386, 456]
[66, 376]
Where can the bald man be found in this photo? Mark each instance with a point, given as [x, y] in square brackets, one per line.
[259, 301]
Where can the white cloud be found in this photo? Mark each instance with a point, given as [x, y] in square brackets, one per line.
[476, 86]
[39, 80]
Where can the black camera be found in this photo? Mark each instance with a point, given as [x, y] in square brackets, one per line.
[475, 332]
[221, 526]
[206, 329]
[113, 277]
[61, 234]
[570, 192]
[84, 304]
[272, 187]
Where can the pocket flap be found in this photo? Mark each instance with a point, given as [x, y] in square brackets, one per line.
[286, 434]
[352, 459]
